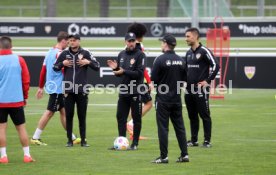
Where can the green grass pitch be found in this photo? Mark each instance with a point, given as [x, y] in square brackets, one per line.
[105, 42]
[243, 141]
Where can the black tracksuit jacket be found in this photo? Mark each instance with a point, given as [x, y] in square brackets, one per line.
[133, 64]
[169, 69]
[76, 74]
[198, 64]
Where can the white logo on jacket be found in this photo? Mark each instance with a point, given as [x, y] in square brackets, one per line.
[168, 63]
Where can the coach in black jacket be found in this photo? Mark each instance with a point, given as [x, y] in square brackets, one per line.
[75, 61]
[199, 60]
[168, 73]
[129, 66]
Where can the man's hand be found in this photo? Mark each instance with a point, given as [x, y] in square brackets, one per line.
[112, 64]
[25, 103]
[68, 63]
[203, 84]
[151, 87]
[39, 93]
[83, 62]
[119, 72]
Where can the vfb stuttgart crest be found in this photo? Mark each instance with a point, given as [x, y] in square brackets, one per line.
[80, 56]
[132, 61]
[198, 55]
[249, 71]
[48, 29]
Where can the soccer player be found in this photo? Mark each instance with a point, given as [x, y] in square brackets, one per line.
[53, 87]
[168, 73]
[129, 66]
[199, 60]
[140, 30]
[14, 87]
[75, 60]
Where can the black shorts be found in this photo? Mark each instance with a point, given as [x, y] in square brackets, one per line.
[17, 115]
[56, 102]
[146, 97]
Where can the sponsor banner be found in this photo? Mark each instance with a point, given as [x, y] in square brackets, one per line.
[245, 72]
[88, 29]
[155, 29]
[244, 29]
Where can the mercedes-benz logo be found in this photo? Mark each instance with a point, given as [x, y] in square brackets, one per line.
[156, 29]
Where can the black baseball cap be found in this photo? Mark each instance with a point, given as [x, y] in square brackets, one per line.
[76, 36]
[130, 36]
[169, 39]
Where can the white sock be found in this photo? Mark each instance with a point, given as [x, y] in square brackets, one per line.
[26, 151]
[37, 133]
[3, 152]
[130, 122]
[73, 136]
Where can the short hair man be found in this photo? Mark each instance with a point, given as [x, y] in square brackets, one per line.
[199, 60]
[14, 87]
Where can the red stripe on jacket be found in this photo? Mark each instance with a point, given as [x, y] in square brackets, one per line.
[147, 77]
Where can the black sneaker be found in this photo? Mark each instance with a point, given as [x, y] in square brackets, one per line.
[84, 144]
[159, 160]
[133, 147]
[191, 143]
[69, 144]
[183, 159]
[206, 144]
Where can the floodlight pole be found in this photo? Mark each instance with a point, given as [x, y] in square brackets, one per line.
[261, 4]
[128, 9]
[41, 9]
[84, 8]
[195, 14]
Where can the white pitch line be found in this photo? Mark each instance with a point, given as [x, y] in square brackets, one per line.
[256, 140]
[115, 104]
[272, 113]
[34, 113]
[112, 104]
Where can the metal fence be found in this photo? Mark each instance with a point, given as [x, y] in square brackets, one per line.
[136, 8]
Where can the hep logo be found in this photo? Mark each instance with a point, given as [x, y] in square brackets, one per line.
[255, 30]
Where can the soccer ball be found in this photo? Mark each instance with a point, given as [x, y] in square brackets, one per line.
[121, 143]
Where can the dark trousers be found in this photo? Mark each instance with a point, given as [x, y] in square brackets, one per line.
[198, 103]
[126, 103]
[81, 100]
[174, 112]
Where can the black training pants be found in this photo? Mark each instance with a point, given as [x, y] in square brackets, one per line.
[81, 100]
[198, 103]
[123, 107]
[174, 112]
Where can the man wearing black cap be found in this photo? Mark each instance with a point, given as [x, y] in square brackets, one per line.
[168, 73]
[129, 66]
[140, 30]
[75, 60]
